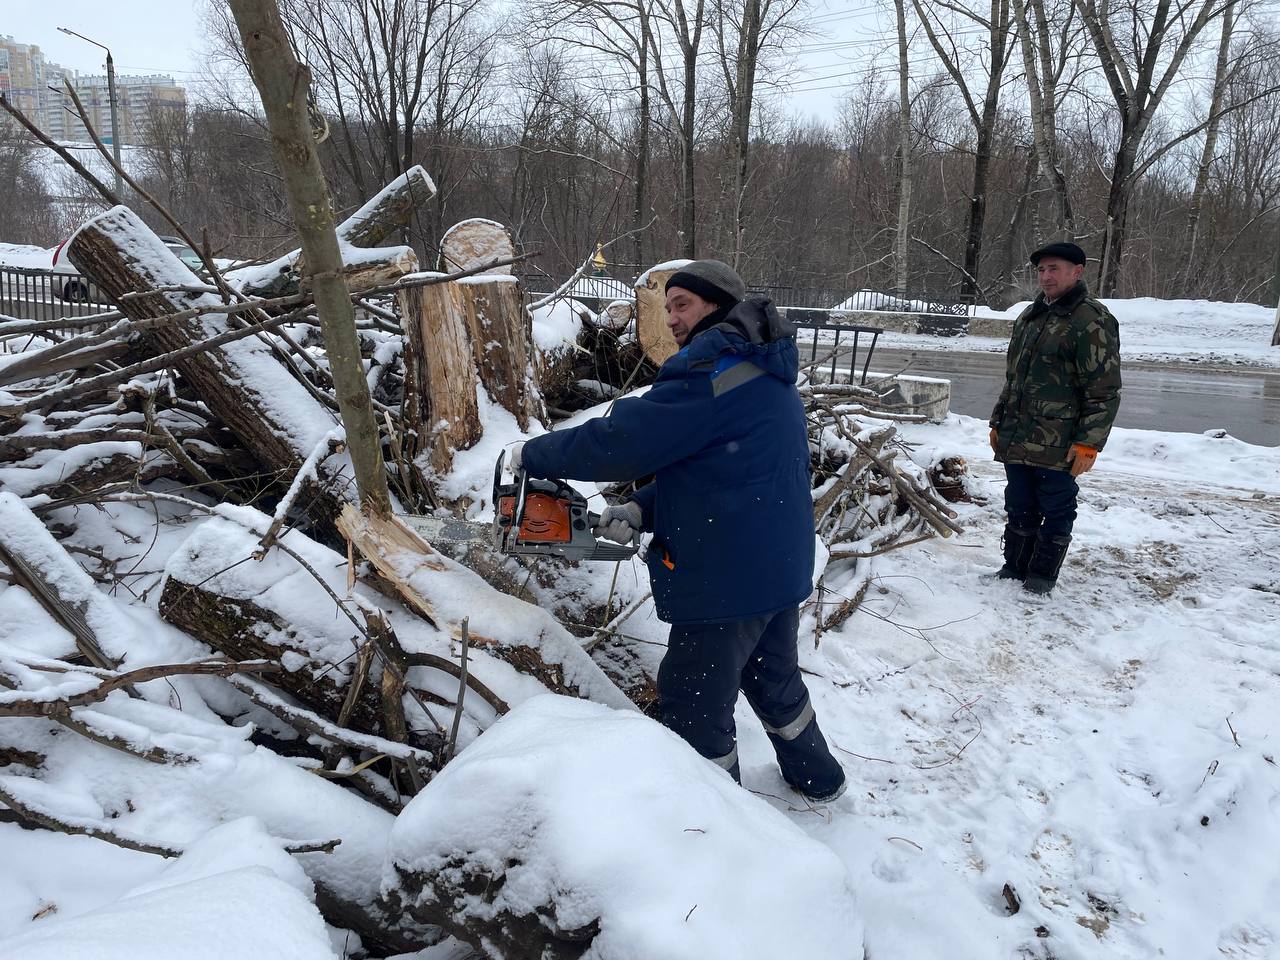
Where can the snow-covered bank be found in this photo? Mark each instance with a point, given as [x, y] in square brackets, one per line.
[1109, 756]
[1182, 331]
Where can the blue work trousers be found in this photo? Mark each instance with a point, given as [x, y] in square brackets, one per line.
[698, 683]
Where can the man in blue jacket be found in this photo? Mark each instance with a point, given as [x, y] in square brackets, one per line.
[723, 431]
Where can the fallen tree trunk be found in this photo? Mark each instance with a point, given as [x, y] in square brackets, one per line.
[273, 415]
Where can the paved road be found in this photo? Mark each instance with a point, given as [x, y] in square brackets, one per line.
[1243, 401]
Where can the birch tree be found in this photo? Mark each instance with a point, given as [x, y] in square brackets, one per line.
[981, 102]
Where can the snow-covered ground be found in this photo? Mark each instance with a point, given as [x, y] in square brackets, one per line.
[1109, 756]
[1169, 331]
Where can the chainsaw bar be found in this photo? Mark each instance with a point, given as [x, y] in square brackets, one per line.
[450, 529]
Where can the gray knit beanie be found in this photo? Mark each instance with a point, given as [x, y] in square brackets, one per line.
[712, 280]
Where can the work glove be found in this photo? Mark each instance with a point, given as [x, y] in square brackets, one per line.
[992, 437]
[516, 457]
[620, 523]
[1081, 458]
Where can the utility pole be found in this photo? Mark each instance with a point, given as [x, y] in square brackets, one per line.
[111, 96]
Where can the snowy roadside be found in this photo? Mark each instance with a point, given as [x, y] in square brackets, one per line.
[1109, 756]
[1198, 332]
[1080, 751]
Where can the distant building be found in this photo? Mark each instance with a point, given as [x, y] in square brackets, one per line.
[35, 86]
[136, 98]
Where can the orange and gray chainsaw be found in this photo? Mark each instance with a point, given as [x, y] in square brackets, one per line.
[531, 518]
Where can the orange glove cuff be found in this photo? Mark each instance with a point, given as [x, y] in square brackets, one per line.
[1083, 449]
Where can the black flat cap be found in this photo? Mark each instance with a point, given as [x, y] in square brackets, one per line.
[1062, 250]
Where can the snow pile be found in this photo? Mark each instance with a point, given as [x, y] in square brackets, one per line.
[1183, 331]
[598, 818]
[234, 893]
[556, 325]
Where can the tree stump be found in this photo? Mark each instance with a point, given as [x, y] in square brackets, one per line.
[471, 243]
[651, 315]
[440, 408]
[501, 336]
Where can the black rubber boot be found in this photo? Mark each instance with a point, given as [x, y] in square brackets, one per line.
[1046, 561]
[1019, 544]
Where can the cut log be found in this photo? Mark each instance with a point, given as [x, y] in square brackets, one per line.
[651, 314]
[501, 336]
[507, 628]
[474, 242]
[272, 414]
[242, 629]
[47, 571]
[389, 210]
[440, 409]
[373, 223]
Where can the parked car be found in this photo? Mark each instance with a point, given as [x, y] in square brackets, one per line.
[75, 289]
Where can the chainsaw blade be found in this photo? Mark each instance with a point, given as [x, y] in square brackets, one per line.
[450, 529]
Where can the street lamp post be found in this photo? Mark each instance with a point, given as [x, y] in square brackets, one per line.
[111, 95]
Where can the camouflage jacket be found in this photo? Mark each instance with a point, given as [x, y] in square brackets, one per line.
[1062, 381]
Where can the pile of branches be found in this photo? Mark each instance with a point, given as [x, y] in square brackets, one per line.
[870, 496]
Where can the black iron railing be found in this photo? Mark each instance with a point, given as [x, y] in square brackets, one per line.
[46, 295]
[826, 337]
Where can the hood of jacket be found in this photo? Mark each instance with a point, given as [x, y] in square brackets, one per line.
[752, 329]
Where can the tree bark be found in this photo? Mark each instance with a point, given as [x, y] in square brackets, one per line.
[499, 328]
[283, 86]
[440, 408]
[902, 241]
[1210, 146]
[273, 415]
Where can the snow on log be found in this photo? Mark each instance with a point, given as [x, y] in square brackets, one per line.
[651, 311]
[243, 383]
[523, 635]
[274, 609]
[47, 571]
[175, 806]
[593, 832]
[442, 414]
[473, 243]
[387, 211]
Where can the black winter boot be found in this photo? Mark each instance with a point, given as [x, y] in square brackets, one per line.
[1019, 544]
[1046, 561]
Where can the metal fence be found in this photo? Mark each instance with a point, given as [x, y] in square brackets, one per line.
[597, 290]
[826, 336]
[45, 295]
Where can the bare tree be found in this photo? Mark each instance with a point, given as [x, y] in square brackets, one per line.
[982, 104]
[1159, 36]
[902, 242]
[685, 24]
[1209, 149]
[284, 84]
[1047, 42]
[744, 30]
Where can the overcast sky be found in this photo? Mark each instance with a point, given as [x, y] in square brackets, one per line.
[163, 36]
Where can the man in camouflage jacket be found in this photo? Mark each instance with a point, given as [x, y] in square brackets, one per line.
[1060, 397]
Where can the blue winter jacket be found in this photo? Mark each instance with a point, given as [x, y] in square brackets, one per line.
[723, 430]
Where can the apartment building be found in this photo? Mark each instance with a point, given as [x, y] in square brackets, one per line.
[35, 85]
